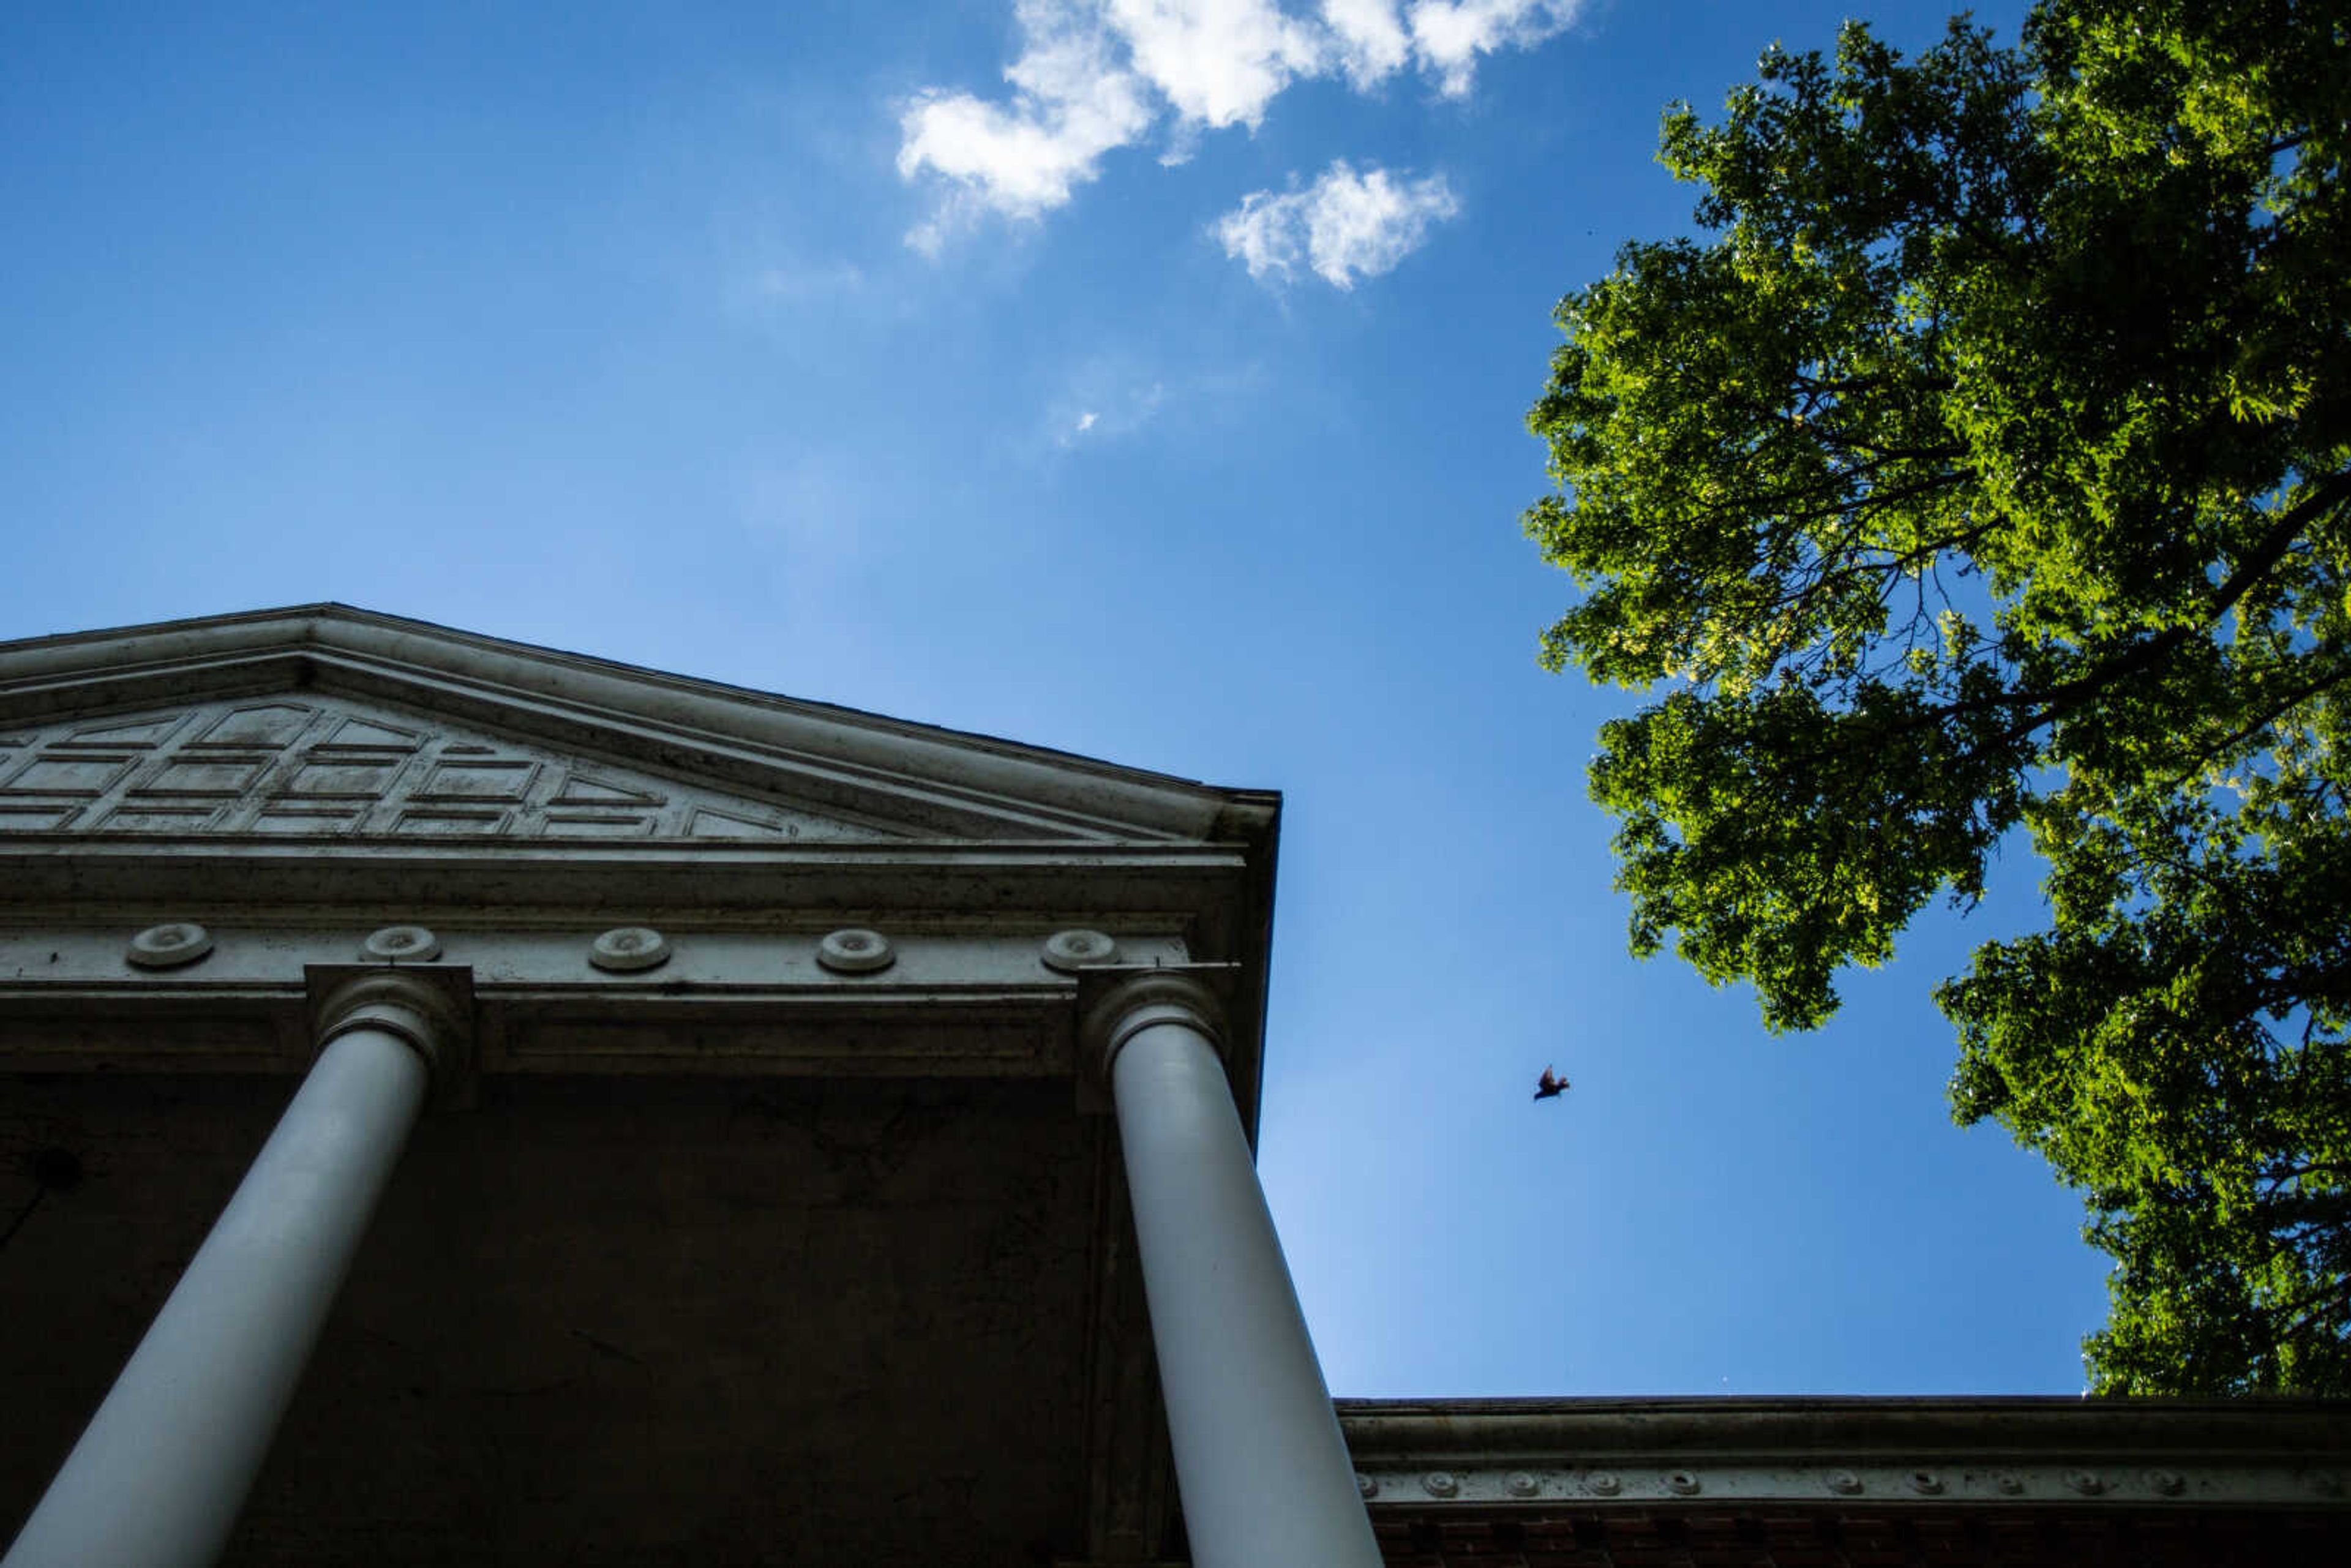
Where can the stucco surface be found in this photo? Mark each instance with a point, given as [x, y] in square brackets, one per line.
[614, 1320]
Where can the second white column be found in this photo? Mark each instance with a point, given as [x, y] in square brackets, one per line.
[1265, 1474]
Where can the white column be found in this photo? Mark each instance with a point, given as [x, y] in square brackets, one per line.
[1265, 1475]
[160, 1473]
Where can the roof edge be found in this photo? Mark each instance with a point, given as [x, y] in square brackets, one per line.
[593, 685]
[1588, 1427]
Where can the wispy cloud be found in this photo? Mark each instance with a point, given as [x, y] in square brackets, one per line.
[1344, 226]
[1107, 400]
[796, 282]
[1093, 76]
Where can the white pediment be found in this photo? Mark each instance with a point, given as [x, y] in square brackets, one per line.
[324, 722]
[324, 765]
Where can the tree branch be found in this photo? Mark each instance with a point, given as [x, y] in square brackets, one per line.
[2269, 716]
[2258, 563]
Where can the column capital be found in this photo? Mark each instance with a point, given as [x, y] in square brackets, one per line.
[428, 1006]
[1130, 1003]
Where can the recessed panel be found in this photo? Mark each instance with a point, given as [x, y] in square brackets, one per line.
[296, 820]
[706, 823]
[55, 775]
[471, 780]
[137, 732]
[443, 824]
[146, 819]
[362, 734]
[579, 789]
[365, 781]
[569, 825]
[262, 724]
[225, 775]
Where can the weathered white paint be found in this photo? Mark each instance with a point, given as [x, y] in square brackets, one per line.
[883, 770]
[311, 766]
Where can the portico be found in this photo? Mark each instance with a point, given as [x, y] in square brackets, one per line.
[752, 1094]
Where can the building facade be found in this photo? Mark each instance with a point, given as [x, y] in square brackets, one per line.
[469, 1102]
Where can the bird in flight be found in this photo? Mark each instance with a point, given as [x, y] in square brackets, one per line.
[1550, 1086]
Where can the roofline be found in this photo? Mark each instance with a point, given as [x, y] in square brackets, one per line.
[1433, 1428]
[1166, 803]
[1469, 1457]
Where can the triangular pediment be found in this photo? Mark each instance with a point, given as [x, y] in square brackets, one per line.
[322, 766]
[326, 722]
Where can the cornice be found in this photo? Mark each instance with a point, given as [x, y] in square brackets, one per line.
[967, 784]
[1887, 1451]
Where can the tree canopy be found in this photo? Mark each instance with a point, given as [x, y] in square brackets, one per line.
[1984, 469]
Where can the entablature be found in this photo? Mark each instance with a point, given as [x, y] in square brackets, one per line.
[1474, 1455]
[801, 998]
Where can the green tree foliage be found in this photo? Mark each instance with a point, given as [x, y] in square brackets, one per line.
[1988, 466]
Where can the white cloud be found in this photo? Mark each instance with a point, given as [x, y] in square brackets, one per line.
[1368, 40]
[1447, 36]
[1086, 420]
[1093, 76]
[1344, 226]
[1217, 62]
[1070, 104]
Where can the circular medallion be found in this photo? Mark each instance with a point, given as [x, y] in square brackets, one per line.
[402, 944]
[625, 948]
[855, 952]
[1070, 951]
[170, 944]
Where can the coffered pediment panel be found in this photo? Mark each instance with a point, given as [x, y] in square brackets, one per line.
[327, 724]
[324, 765]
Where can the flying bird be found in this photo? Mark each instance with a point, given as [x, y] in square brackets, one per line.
[1549, 1086]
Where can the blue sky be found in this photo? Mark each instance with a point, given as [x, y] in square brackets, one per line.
[1144, 380]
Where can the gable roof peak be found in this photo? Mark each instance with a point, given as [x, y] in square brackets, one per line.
[833, 761]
